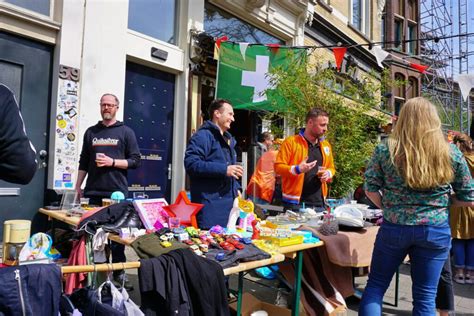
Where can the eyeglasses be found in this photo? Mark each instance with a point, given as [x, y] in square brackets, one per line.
[107, 105]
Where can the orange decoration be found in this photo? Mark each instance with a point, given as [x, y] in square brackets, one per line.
[184, 209]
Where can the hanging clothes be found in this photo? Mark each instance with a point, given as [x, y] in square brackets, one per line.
[77, 257]
[181, 283]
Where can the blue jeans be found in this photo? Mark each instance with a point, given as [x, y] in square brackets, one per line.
[463, 253]
[428, 247]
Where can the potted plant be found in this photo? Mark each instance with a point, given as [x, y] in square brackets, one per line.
[353, 108]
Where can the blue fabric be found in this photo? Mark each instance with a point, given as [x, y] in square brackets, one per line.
[428, 248]
[40, 288]
[206, 159]
[463, 250]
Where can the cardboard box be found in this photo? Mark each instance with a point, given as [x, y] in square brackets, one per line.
[252, 304]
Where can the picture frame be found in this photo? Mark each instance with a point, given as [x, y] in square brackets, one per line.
[152, 213]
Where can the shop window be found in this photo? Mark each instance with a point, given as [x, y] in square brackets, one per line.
[39, 6]
[218, 23]
[411, 43]
[398, 36]
[144, 14]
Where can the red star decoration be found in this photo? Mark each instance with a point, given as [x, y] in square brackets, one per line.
[184, 209]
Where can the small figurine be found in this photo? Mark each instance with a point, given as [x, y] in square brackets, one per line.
[256, 229]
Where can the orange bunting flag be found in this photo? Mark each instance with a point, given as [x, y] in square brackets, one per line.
[339, 53]
[420, 68]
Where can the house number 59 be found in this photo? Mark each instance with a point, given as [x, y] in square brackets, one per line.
[68, 73]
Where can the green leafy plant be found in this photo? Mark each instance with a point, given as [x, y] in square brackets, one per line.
[353, 106]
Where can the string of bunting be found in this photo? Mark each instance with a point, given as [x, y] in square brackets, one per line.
[339, 50]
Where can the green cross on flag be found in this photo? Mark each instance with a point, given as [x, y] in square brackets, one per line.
[243, 73]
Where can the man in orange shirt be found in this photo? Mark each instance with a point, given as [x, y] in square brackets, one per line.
[305, 163]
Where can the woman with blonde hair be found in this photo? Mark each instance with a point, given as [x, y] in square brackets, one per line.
[410, 177]
[462, 224]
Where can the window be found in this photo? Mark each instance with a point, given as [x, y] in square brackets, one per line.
[398, 103]
[398, 36]
[411, 36]
[357, 14]
[153, 18]
[398, 7]
[218, 23]
[412, 13]
[360, 17]
[382, 29]
[412, 87]
[400, 85]
[39, 6]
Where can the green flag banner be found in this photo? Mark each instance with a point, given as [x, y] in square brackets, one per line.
[243, 73]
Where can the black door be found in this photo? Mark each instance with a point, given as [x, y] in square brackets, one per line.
[25, 67]
[149, 110]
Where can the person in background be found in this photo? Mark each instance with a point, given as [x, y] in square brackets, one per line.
[462, 224]
[17, 154]
[410, 178]
[265, 142]
[305, 163]
[211, 162]
[108, 150]
[262, 183]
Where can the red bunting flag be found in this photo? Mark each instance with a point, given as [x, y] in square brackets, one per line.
[339, 53]
[221, 39]
[420, 68]
[274, 47]
[217, 45]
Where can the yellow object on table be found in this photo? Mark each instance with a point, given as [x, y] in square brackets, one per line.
[288, 241]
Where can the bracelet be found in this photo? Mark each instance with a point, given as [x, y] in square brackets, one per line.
[297, 168]
[113, 162]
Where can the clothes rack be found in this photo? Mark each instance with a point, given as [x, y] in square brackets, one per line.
[102, 267]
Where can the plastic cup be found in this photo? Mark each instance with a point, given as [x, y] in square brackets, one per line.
[84, 202]
[321, 171]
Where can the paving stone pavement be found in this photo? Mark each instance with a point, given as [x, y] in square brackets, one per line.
[464, 293]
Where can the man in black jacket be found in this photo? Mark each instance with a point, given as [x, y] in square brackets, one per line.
[17, 154]
[108, 150]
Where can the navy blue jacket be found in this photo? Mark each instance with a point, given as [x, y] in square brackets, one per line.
[116, 141]
[206, 159]
[33, 289]
[17, 154]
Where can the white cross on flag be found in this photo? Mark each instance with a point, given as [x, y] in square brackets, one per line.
[243, 74]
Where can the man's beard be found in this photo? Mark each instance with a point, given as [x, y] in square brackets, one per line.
[107, 116]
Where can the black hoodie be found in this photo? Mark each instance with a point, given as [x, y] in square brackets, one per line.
[116, 141]
[17, 154]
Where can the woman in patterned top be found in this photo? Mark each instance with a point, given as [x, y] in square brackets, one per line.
[462, 223]
[410, 177]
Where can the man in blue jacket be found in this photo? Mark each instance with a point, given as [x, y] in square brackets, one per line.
[211, 163]
[17, 154]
